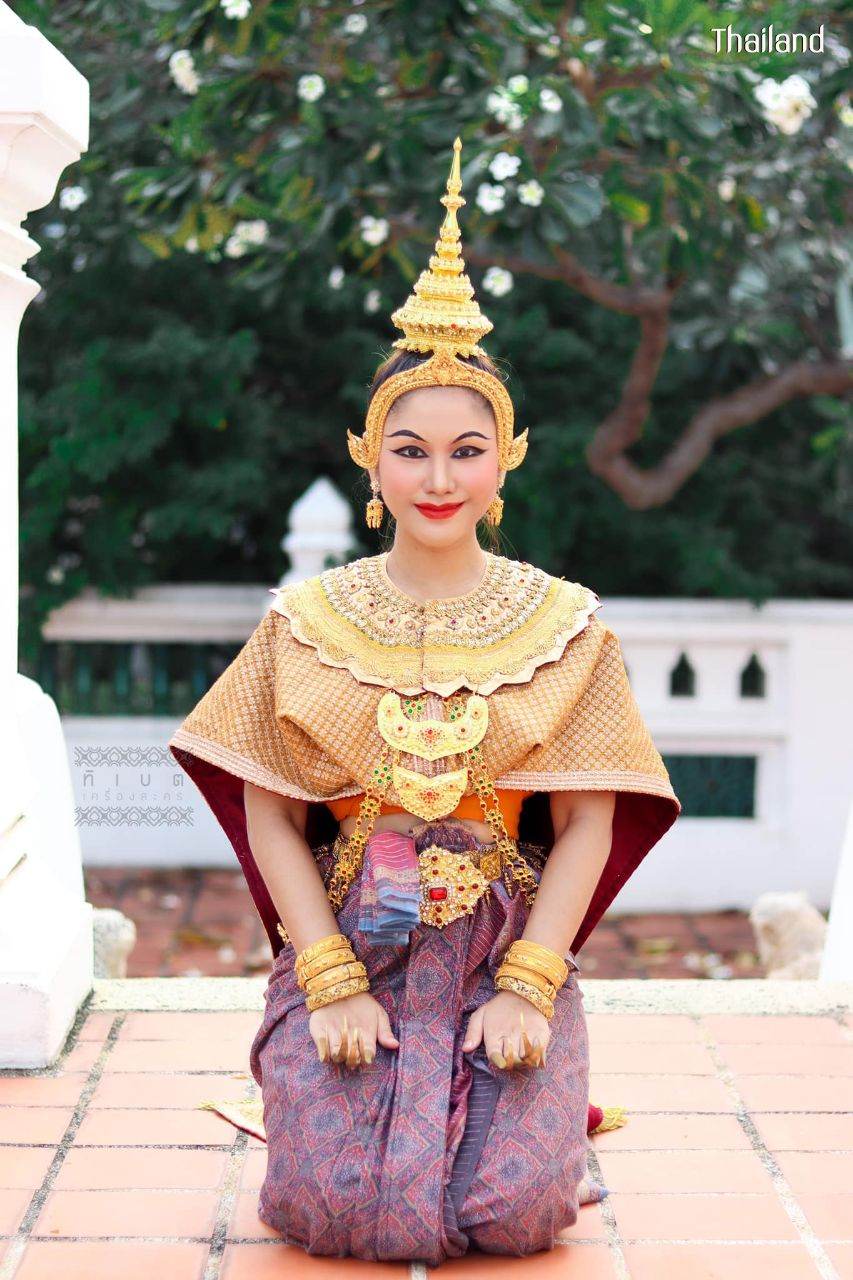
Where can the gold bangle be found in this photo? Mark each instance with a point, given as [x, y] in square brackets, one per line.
[341, 971]
[535, 956]
[337, 992]
[320, 963]
[524, 974]
[530, 969]
[536, 998]
[330, 943]
[525, 971]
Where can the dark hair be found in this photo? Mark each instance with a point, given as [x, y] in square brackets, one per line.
[400, 361]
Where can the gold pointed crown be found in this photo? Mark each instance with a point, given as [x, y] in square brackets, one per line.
[442, 315]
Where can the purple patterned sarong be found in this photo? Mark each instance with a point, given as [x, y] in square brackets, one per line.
[426, 1152]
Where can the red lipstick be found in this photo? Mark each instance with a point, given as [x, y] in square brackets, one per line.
[433, 512]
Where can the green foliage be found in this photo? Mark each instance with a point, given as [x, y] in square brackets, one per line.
[202, 368]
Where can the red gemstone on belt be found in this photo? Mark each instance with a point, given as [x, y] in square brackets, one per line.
[437, 893]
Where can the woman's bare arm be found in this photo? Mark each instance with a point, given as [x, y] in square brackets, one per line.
[276, 829]
[583, 833]
[348, 1029]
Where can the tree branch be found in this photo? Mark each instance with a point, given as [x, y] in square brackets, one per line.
[652, 487]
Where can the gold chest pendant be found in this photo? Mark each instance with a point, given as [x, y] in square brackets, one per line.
[438, 795]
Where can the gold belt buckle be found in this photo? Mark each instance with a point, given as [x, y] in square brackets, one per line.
[452, 884]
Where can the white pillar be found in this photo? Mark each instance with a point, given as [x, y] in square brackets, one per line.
[45, 923]
[837, 960]
[319, 531]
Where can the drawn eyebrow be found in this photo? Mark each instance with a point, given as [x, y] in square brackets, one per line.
[404, 431]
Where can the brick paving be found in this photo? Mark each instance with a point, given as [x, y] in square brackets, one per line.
[735, 1162]
[197, 921]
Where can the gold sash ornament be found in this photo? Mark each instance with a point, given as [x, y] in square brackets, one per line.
[451, 885]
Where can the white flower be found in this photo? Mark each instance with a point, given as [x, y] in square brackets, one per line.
[490, 198]
[726, 188]
[235, 247]
[372, 301]
[845, 113]
[336, 277]
[551, 47]
[71, 198]
[355, 24]
[55, 574]
[191, 244]
[497, 281]
[311, 87]
[183, 72]
[373, 230]
[254, 232]
[531, 192]
[786, 105]
[837, 50]
[498, 103]
[236, 8]
[503, 108]
[644, 28]
[550, 100]
[53, 230]
[504, 165]
[518, 84]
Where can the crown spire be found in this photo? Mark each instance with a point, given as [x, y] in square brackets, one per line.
[442, 312]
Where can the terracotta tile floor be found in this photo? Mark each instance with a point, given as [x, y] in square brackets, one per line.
[198, 921]
[736, 1161]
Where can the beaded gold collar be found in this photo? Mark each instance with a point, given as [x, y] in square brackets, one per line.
[517, 618]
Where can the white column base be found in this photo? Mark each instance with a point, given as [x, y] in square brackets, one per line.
[46, 950]
[46, 964]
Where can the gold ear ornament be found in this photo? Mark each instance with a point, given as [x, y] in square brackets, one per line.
[495, 510]
[374, 510]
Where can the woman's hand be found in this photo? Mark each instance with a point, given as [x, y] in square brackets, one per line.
[346, 1031]
[516, 1033]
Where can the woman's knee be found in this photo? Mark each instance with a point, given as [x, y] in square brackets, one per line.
[525, 1220]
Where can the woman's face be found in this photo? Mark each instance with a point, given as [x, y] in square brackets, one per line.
[439, 447]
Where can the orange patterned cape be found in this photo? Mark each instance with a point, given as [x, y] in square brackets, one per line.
[298, 710]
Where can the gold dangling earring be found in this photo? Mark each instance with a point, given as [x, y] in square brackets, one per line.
[374, 510]
[494, 510]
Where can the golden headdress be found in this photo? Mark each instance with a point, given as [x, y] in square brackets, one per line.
[442, 315]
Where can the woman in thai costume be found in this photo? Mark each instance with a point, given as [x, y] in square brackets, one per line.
[436, 779]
